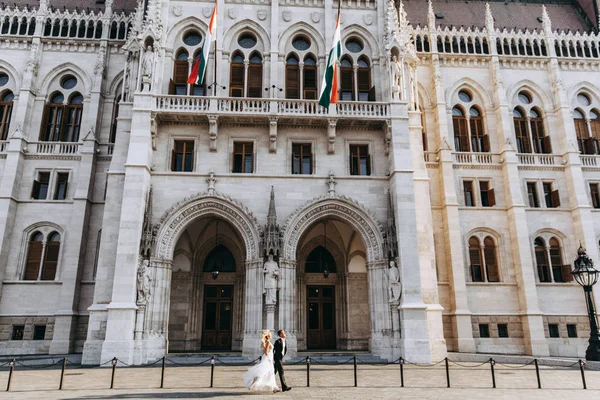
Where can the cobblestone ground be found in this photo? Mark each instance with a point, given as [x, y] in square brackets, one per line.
[468, 381]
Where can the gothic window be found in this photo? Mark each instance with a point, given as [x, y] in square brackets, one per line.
[60, 187]
[483, 260]
[581, 130]
[309, 78]
[255, 72]
[292, 77]
[115, 116]
[178, 84]
[461, 134]
[521, 131]
[595, 194]
[476, 261]
[319, 260]
[586, 118]
[479, 140]
[62, 122]
[486, 194]
[42, 256]
[549, 261]
[595, 130]
[541, 142]
[491, 260]
[469, 133]
[551, 197]
[468, 193]
[541, 260]
[346, 79]
[41, 185]
[6, 105]
[366, 92]
[423, 131]
[237, 75]
[529, 126]
[219, 259]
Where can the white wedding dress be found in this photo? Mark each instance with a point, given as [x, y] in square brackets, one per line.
[261, 377]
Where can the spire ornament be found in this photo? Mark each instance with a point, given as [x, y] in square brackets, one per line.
[271, 241]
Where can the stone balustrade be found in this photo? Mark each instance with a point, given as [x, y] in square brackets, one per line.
[54, 147]
[589, 160]
[539, 159]
[476, 158]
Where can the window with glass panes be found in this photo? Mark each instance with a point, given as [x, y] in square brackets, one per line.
[532, 195]
[60, 189]
[468, 192]
[360, 160]
[302, 158]
[551, 197]
[6, 105]
[40, 186]
[487, 195]
[521, 131]
[503, 330]
[461, 133]
[182, 157]
[243, 157]
[595, 193]
[541, 260]
[553, 331]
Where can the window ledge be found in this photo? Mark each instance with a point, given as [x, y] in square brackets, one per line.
[491, 283]
[47, 201]
[481, 208]
[21, 282]
[545, 209]
[561, 284]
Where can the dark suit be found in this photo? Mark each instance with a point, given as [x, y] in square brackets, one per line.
[278, 353]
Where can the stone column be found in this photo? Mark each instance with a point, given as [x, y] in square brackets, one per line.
[381, 321]
[253, 313]
[122, 308]
[287, 304]
[270, 310]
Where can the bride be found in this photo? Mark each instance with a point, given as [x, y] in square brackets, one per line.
[262, 375]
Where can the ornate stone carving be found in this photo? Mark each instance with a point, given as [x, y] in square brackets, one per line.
[331, 184]
[211, 180]
[368, 19]
[315, 17]
[273, 134]
[207, 12]
[390, 239]
[271, 237]
[286, 15]
[271, 283]
[262, 14]
[178, 10]
[394, 284]
[331, 124]
[143, 283]
[213, 130]
[232, 12]
[342, 207]
[148, 241]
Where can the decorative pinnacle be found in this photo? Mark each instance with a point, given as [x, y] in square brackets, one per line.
[272, 214]
[489, 19]
[546, 23]
[430, 15]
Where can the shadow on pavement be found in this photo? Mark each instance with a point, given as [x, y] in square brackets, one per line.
[170, 395]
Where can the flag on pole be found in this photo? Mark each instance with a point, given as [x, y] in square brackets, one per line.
[329, 86]
[199, 68]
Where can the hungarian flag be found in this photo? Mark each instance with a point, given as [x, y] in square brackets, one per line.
[329, 86]
[199, 67]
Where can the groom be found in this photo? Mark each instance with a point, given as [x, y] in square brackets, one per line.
[280, 350]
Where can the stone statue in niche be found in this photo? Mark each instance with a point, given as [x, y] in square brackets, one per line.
[396, 70]
[148, 62]
[143, 283]
[394, 285]
[271, 272]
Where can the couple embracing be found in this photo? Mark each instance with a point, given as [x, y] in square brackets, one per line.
[261, 377]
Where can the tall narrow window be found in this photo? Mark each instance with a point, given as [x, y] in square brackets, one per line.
[532, 195]
[310, 78]
[360, 160]
[236, 77]
[51, 257]
[182, 156]
[487, 195]
[475, 258]
[550, 196]
[595, 193]
[581, 131]
[199, 90]
[178, 85]
[292, 78]
[541, 142]
[366, 92]
[255, 72]
[468, 192]
[595, 133]
[461, 134]
[115, 116]
[491, 260]
[521, 131]
[52, 120]
[541, 260]
[243, 157]
[346, 79]
[6, 105]
[60, 190]
[34, 257]
[480, 142]
[302, 158]
[423, 131]
[40, 186]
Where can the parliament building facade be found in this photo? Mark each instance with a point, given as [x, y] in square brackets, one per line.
[137, 211]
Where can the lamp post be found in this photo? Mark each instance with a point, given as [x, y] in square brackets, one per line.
[586, 275]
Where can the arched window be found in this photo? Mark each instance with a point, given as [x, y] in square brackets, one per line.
[479, 140]
[423, 131]
[521, 131]
[115, 116]
[255, 72]
[541, 260]
[461, 133]
[491, 260]
[63, 122]
[347, 79]
[366, 92]
[560, 272]
[178, 84]
[73, 113]
[6, 105]
[292, 77]
[541, 142]
[319, 260]
[219, 259]
[53, 117]
[595, 130]
[42, 257]
[309, 75]
[475, 259]
[581, 131]
[236, 76]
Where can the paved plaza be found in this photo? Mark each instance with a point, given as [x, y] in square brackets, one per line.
[468, 381]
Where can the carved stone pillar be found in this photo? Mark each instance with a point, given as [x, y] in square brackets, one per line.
[332, 122]
[253, 313]
[381, 322]
[287, 304]
[270, 310]
[213, 130]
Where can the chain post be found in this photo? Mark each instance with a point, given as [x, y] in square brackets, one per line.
[114, 369]
[10, 374]
[355, 375]
[307, 371]
[62, 373]
[492, 363]
[212, 370]
[447, 372]
[162, 373]
[401, 372]
[582, 369]
[537, 373]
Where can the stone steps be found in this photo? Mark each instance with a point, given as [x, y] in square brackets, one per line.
[336, 358]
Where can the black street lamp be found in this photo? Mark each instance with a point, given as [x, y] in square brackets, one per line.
[586, 275]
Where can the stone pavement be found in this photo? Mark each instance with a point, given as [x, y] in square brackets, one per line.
[468, 381]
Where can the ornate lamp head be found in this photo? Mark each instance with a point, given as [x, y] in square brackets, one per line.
[584, 273]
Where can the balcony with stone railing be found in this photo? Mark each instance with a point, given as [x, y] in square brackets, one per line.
[476, 158]
[177, 107]
[589, 160]
[540, 159]
[53, 148]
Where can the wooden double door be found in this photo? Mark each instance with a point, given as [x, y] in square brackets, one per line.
[321, 318]
[217, 317]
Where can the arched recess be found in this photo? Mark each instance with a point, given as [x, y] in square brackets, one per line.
[183, 25]
[13, 75]
[247, 25]
[340, 207]
[536, 91]
[64, 69]
[176, 220]
[300, 28]
[585, 86]
[472, 85]
[371, 49]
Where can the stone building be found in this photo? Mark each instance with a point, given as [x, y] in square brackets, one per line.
[436, 207]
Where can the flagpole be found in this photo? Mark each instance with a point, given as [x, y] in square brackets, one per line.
[215, 72]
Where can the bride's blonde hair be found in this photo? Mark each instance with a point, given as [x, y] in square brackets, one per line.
[264, 340]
